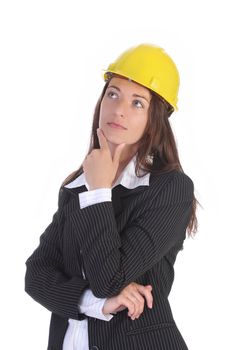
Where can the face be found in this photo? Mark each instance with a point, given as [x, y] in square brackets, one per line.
[125, 103]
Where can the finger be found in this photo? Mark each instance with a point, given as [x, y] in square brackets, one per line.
[149, 286]
[131, 307]
[138, 296]
[137, 306]
[132, 293]
[102, 139]
[147, 292]
[117, 154]
[123, 300]
[140, 302]
[149, 298]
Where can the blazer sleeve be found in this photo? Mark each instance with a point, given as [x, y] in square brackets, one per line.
[111, 259]
[45, 280]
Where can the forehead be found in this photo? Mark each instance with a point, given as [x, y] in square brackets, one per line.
[128, 85]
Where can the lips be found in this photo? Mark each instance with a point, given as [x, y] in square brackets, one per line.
[116, 126]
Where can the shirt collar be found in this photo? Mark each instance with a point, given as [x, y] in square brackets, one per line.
[127, 178]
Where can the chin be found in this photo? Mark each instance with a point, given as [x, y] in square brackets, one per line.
[114, 140]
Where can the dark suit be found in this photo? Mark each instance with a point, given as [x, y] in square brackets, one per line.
[136, 237]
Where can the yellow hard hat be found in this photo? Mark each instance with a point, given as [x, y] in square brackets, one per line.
[150, 66]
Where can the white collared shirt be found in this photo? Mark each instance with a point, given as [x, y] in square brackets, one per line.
[76, 337]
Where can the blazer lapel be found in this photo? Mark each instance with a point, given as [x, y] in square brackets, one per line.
[120, 194]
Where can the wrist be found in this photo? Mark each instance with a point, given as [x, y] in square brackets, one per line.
[104, 311]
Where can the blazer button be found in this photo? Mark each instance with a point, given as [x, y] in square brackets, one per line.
[94, 347]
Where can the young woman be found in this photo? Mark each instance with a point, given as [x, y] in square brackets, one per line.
[105, 264]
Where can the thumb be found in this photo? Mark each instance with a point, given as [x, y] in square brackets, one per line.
[118, 152]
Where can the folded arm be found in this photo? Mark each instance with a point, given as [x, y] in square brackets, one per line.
[113, 260]
[46, 282]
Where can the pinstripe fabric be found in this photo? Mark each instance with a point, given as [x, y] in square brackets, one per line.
[76, 336]
[136, 237]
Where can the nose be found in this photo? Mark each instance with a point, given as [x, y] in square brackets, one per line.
[121, 108]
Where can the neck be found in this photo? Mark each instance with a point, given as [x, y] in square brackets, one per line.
[126, 155]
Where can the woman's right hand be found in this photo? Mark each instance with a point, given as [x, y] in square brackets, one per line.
[130, 297]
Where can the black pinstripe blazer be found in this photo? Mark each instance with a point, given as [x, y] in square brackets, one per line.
[135, 237]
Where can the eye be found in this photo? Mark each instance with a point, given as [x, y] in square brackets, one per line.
[138, 104]
[111, 93]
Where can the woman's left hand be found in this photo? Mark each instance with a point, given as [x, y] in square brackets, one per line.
[99, 167]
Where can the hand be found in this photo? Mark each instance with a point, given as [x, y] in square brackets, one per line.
[99, 167]
[130, 297]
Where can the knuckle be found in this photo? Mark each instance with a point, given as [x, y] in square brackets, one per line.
[141, 300]
[123, 292]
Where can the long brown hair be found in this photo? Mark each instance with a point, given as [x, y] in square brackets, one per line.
[157, 151]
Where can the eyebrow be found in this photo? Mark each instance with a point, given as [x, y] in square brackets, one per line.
[135, 95]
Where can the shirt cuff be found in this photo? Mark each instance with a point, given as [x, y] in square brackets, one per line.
[92, 306]
[98, 195]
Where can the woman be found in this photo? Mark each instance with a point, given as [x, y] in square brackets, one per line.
[121, 219]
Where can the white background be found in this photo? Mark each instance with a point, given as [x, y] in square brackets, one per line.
[51, 61]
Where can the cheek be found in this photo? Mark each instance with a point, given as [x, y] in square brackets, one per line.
[139, 129]
[104, 109]
[140, 124]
